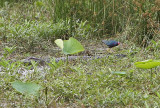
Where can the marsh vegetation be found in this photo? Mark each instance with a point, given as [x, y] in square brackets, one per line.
[30, 27]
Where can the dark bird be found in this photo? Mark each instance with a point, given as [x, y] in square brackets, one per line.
[111, 43]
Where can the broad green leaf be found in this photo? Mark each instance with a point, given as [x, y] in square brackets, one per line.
[59, 43]
[72, 46]
[27, 88]
[147, 64]
[118, 73]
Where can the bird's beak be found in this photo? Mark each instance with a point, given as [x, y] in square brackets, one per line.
[118, 43]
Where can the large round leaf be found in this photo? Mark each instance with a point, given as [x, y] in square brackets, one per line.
[147, 64]
[72, 46]
[26, 88]
[59, 43]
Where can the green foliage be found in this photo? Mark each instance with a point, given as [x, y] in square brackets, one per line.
[147, 64]
[35, 24]
[7, 64]
[8, 51]
[70, 46]
[54, 65]
[83, 29]
[110, 17]
[154, 46]
[39, 3]
[90, 84]
[158, 94]
[27, 88]
[4, 63]
[32, 33]
[80, 19]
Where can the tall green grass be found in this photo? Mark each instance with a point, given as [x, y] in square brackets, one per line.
[132, 19]
[113, 16]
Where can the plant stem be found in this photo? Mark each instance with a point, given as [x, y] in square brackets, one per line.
[67, 60]
[151, 76]
[46, 93]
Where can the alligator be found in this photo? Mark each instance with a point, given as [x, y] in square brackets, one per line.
[70, 58]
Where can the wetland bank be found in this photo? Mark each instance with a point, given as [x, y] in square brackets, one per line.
[29, 29]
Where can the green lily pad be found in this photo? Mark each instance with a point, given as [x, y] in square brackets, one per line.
[118, 73]
[147, 64]
[27, 88]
